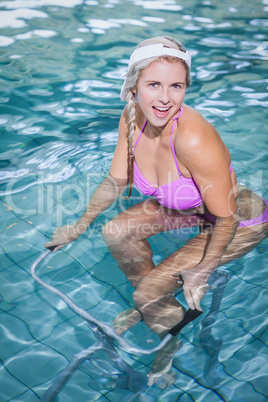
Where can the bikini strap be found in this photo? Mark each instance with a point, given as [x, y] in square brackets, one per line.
[170, 138]
[136, 143]
[231, 168]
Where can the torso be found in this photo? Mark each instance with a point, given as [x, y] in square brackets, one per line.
[153, 155]
[155, 160]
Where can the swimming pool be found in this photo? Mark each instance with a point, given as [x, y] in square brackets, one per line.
[62, 64]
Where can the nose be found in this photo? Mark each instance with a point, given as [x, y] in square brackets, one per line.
[163, 96]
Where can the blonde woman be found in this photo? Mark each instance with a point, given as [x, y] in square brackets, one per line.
[172, 154]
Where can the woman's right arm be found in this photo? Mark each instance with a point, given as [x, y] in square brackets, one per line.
[103, 197]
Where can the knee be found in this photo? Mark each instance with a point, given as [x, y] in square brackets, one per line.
[144, 301]
[114, 233]
[139, 299]
[109, 233]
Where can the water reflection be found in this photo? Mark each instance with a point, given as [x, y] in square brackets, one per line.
[62, 65]
[166, 5]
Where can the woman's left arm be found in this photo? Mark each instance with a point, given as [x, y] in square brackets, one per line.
[195, 279]
[222, 235]
[206, 158]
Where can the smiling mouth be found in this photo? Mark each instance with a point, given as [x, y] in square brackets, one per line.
[162, 109]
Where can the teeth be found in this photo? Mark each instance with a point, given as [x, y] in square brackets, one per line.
[162, 109]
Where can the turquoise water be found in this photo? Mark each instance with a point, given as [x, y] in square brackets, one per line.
[62, 63]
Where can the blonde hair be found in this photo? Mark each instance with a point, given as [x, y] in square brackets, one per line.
[131, 82]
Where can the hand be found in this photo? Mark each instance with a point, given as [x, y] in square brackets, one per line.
[195, 285]
[62, 236]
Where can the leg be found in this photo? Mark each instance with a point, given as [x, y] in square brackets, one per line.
[154, 293]
[126, 237]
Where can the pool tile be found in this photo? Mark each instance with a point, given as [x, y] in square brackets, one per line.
[28, 396]
[32, 200]
[252, 275]
[202, 394]
[88, 250]
[7, 222]
[35, 365]
[107, 271]
[77, 387]
[21, 241]
[20, 285]
[264, 337]
[44, 223]
[249, 364]
[78, 334]
[14, 335]
[252, 300]
[5, 262]
[10, 386]
[41, 313]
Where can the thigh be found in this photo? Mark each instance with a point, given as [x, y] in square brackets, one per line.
[160, 280]
[245, 240]
[148, 218]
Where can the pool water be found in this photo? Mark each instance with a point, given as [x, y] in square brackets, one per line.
[62, 63]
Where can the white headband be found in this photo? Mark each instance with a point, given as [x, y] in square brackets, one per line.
[157, 50]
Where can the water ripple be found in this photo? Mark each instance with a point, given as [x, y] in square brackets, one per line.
[166, 5]
[62, 66]
[15, 19]
[17, 4]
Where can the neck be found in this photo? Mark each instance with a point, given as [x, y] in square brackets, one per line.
[163, 131]
[155, 132]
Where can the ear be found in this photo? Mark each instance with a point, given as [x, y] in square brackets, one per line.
[134, 91]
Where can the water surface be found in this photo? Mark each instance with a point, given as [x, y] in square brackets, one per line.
[62, 65]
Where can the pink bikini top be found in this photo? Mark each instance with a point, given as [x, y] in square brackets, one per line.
[179, 194]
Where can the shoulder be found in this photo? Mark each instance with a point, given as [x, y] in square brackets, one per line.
[196, 135]
[195, 128]
[202, 152]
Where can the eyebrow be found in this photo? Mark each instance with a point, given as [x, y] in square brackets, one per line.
[158, 82]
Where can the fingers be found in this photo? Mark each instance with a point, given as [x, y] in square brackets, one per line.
[57, 248]
[196, 299]
[202, 290]
[54, 244]
[180, 279]
[61, 236]
[193, 296]
[56, 241]
[50, 244]
[188, 297]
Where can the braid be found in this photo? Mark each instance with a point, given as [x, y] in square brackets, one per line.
[131, 106]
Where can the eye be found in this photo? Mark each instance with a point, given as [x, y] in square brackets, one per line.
[177, 86]
[153, 84]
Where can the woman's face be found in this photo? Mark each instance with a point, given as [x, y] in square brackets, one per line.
[160, 91]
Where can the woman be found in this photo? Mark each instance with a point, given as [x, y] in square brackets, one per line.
[169, 151]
